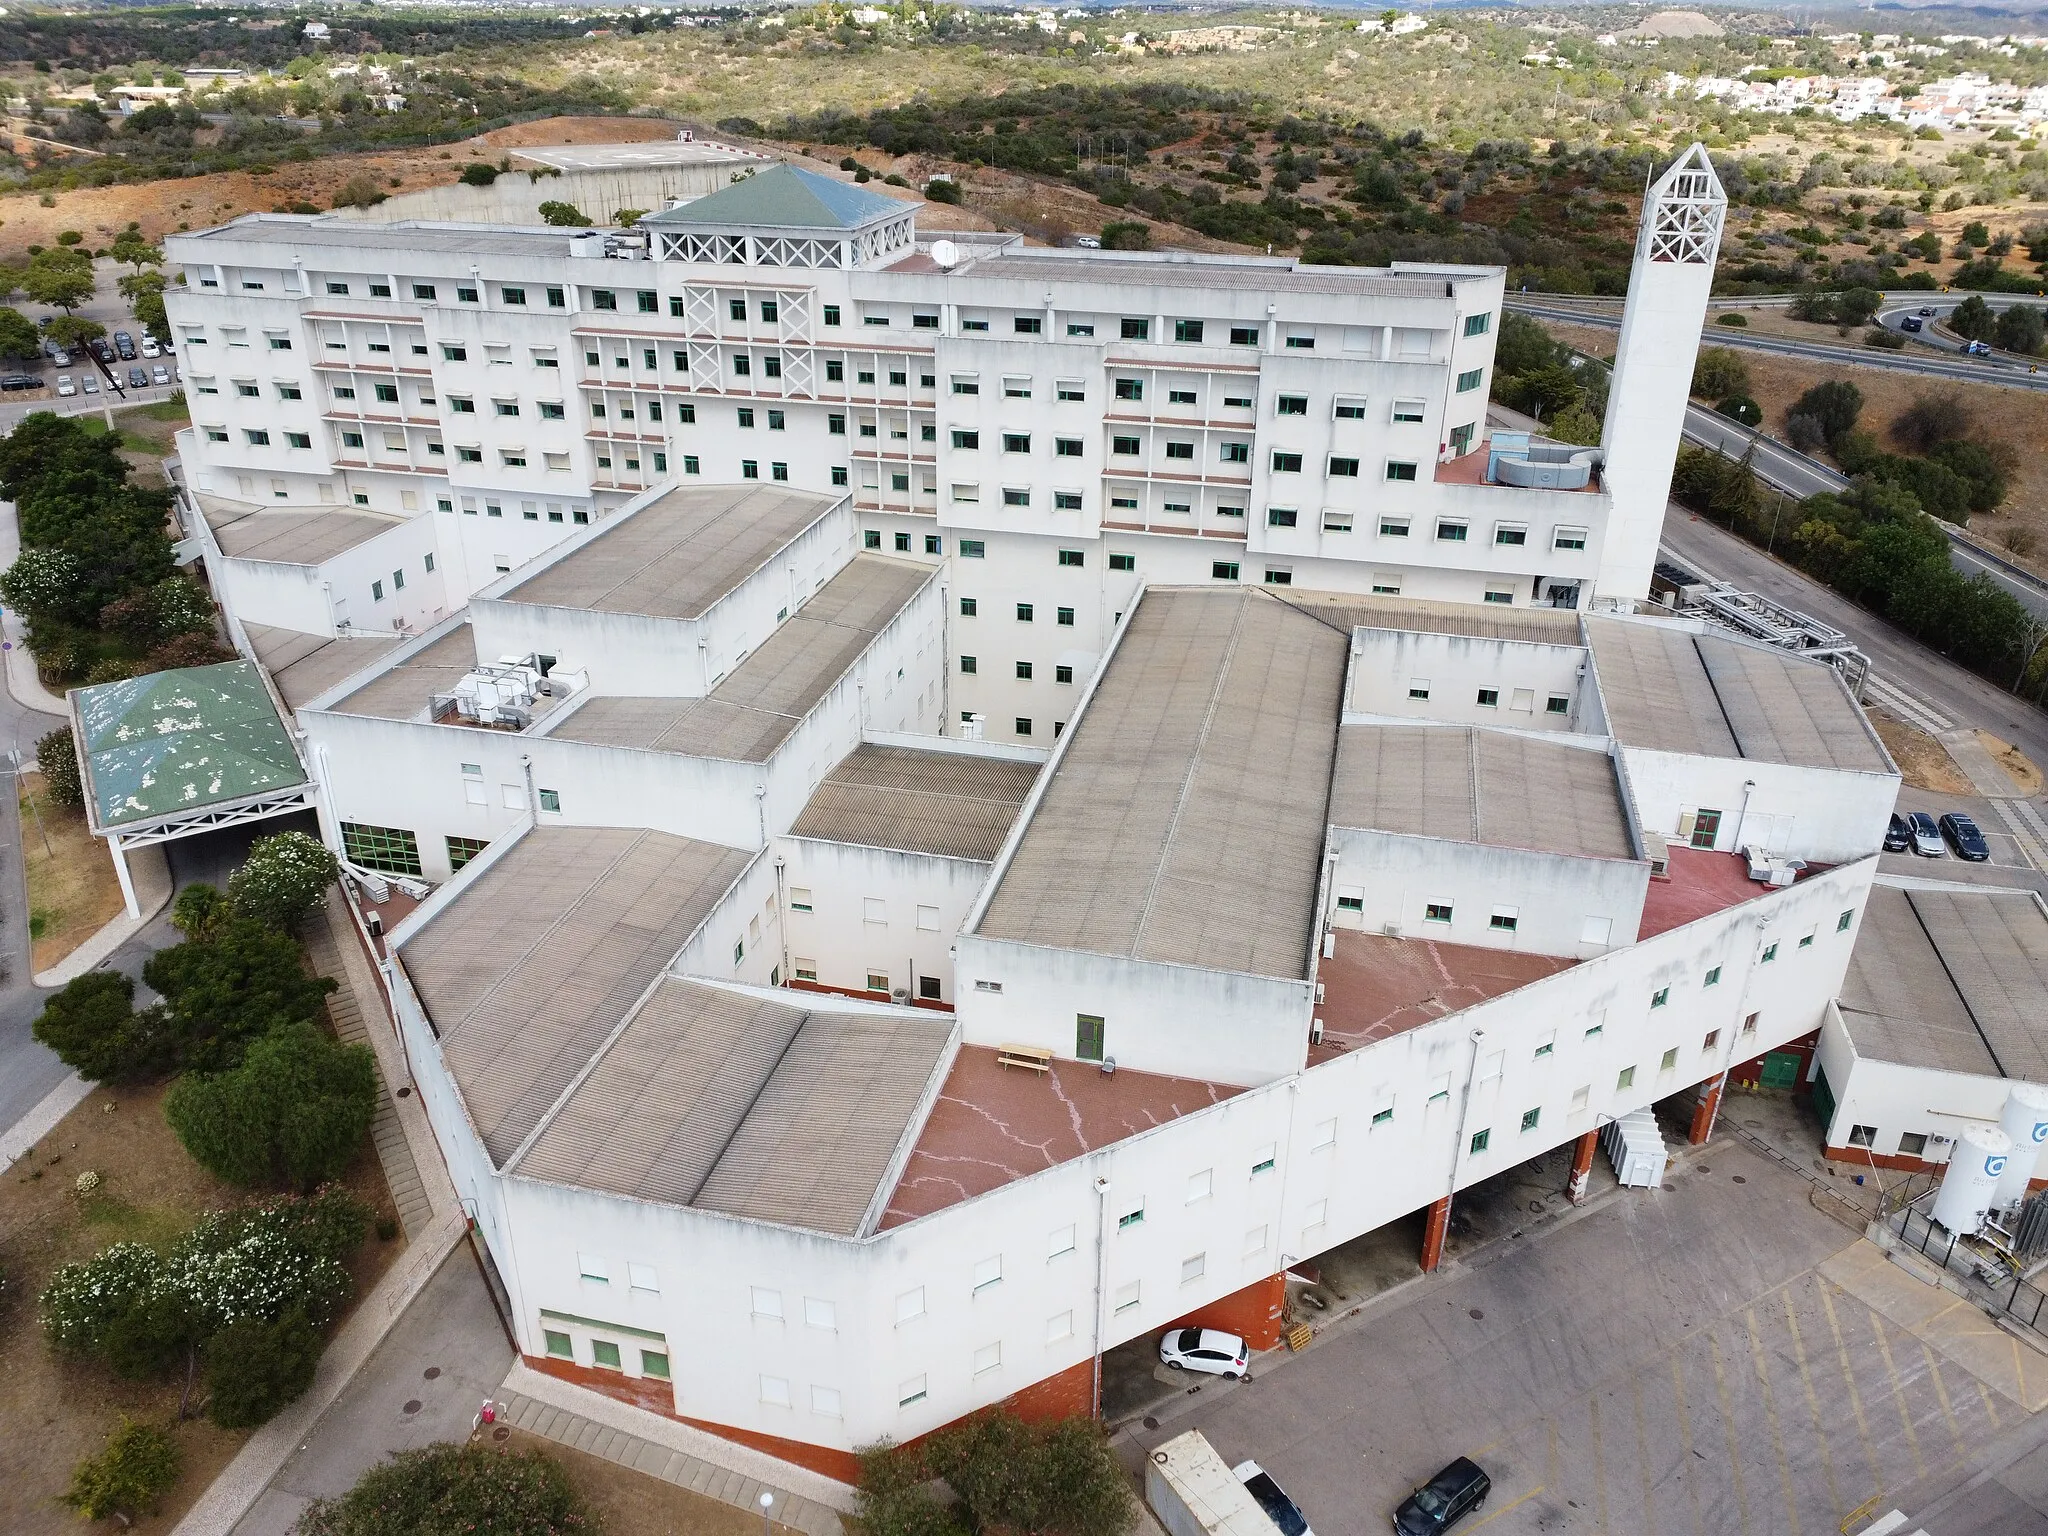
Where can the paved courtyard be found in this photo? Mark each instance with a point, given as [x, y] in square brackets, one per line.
[1718, 1357]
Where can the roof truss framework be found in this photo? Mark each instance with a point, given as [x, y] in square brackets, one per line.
[257, 808]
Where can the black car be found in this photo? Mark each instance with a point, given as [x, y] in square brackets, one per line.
[125, 345]
[21, 381]
[1898, 837]
[101, 350]
[1911, 323]
[1963, 836]
[1444, 1500]
[137, 379]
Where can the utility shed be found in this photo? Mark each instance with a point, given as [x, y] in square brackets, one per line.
[171, 754]
[1945, 1004]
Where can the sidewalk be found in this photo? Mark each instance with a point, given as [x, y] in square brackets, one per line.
[22, 682]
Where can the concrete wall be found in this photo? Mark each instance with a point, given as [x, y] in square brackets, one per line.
[875, 911]
[1826, 815]
[1387, 666]
[515, 197]
[1574, 907]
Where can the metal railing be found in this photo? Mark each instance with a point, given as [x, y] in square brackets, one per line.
[1987, 1274]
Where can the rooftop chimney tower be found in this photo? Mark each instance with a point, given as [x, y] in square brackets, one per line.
[1660, 337]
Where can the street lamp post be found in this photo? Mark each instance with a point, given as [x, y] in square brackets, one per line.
[767, 1503]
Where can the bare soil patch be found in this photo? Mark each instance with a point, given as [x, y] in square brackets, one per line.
[631, 1503]
[578, 130]
[1923, 762]
[57, 1411]
[72, 889]
[2015, 764]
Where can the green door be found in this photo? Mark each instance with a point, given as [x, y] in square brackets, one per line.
[1781, 1069]
[1823, 1100]
[1088, 1037]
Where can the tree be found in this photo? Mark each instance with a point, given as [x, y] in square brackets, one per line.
[941, 191]
[18, 337]
[564, 215]
[222, 994]
[92, 1025]
[132, 248]
[1833, 407]
[1972, 319]
[60, 278]
[57, 761]
[1719, 372]
[126, 1479]
[284, 878]
[627, 218]
[292, 1113]
[1058, 1479]
[1932, 420]
[144, 292]
[444, 1488]
[254, 1368]
[72, 332]
[1743, 409]
[2018, 328]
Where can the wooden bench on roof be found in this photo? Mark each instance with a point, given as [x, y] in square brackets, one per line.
[1037, 1057]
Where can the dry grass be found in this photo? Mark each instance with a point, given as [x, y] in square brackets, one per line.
[1923, 762]
[632, 1503]
[2016, 765]
[73, 891]
[58, 1411]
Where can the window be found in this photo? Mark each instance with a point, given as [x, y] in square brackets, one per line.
[604, 1352]
[775, 1391]
[1135, 329]
[1489, 698]
[988, 1272]
[1470, 379]
[966, 384]
[1515, 535]
[1130, 389]
[1418, 689]
[1557, 703]
[1302, 343]
[1479, 1141]
[1344, 469]
[1912, 1143]
[1125, 445]
[750, 469]
[1448, 532]
[911, 1391]
[1569, 538]
[603, 298]
[1713, 1038]
[1286, 463]
[970, 664]
[1402, 470]
[654, 1363]
[1626, 1078]
[1290, 405]
[1477, 325]
[820, 1314]
[1393, 527]
[1670, 1060]
[831, 314]
[1088, 1034]
[551, 800]
[1023, 671]
[299, 439]
[1436, 912]
[1349, 408]
[1712, 978]
[1071, 389]
[251, 392]
[988, 1357]
[591, 1268]
[1180, 450]
[1530, 1117]
[1409, 411]
[1223, 570]
[972, 549]
[558, 1343]
[961, 439]
[1072, 557]
[261, 439]
[1180, 397]
[1660, 997]
[1504, 919]
[1026, 325]
[1016, 442]
[1862, 1135]
[1706, 829]
[1281, 517]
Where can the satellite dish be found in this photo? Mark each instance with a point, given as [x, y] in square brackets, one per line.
[946, 253]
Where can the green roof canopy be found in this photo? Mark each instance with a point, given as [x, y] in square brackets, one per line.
[783, 197]
[180, 741]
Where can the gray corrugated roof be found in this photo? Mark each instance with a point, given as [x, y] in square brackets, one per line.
[407, 235]
[1184, 822]
[677, 555]
[758, 1107]
[527, 971]
[305, 666]
[1715, 696]
[1166, 272]
[754, 710]
[290, 538]
[1469, 785]
[403, 690]
[783, 197]
[1543, 626]
[946, 803]
[1955, 981]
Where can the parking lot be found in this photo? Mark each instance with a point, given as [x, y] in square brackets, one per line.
[1721, 1357]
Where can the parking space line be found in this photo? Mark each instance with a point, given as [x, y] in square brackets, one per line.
[1649, 1527]
[1990, 1407]
[1685, 1471]
[1763, 1377]
[1941, 1393]
[1870, 1459]
[1599, 1463]
[1820, 1431]
[1525, 1498]
[1728, 1424]
[1884, 1348]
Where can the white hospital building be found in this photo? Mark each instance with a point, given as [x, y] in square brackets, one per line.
[980, 801]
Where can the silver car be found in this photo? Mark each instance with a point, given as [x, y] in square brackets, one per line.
[160, 374]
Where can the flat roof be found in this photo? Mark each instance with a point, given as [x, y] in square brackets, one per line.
[1666, 688]
[169, 743]
[1479, 786]
[327, 231]
[679, 554]
[305, 666]
[1185, 270]
[1952, 980]
[595, 157]
[289, 537]
[1184, 821]
[760, 1107]
[403, 690]
[533, 964]
[952, 804]
[1542, 626]
[1375, 987]
[993, 1125]
[763, 700]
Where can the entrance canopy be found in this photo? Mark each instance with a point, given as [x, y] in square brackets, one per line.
[180, 752]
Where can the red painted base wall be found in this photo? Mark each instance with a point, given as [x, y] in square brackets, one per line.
[932, 1003]
[1254, 1314]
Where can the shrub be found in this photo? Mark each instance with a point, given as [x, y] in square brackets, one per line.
[1804, 433]
[627, 218]
[254, 1368]
[194, 650]
[359, 192]
[284, 878]
[293, 1112]
[199, 911]
[57, 760]
[1972, 319]
[126, 1479]
[1719, 372]
[564, 215]
[937, 191]
[2018, 328]
[1126, 235]
[1834, 405]
[1887, 341]
[119, 1307]
[1932, 420]
[1577, 425]
[231, 989]
[478, 174]
[444, 1488]
[92, 1025]
[1058, 1479]
[1743, 409]
[1731, 318]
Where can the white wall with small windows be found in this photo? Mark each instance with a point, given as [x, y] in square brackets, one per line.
[1825, 815]
[875, 920]
[389, 583]
[1471, 680]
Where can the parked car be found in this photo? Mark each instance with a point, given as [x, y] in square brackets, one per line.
[65, 386]
[99, 349]
[160, 374]
[137, 379]
[149, 346]
[1911, 323]
[61, 357]
[1963, 836]
[1206, 1350]
[1279, 1508]
[125, 345]
[1444, 1500]
[21, 381]
[1898, 837]
[88, 383]
[1926, 835]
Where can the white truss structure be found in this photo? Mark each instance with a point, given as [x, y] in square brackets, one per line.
[1682, 213]
[169, 828]
[871, 245]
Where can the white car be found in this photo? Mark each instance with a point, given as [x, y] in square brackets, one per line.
[89, 384]
[160, 374]
[1279, 1508]
[65, 386]
[1206, 1350]
[150, 348]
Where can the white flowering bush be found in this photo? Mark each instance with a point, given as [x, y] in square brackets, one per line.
[85, 1302]
[86, 1182]
[283, 879]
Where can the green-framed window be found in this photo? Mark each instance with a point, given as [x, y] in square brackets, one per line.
[393, 850]
[1480, 1140]
[654, 1363]
[559, 1344]
[462, 849]
[604, 1352]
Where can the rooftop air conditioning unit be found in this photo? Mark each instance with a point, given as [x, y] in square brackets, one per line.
[900, 997]
[1391, 930]
[1315, 1032]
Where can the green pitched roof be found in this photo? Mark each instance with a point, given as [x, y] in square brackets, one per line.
[180, 741]
[783, 197]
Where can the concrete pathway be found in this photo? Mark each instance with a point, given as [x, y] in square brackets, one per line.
[589, 1421]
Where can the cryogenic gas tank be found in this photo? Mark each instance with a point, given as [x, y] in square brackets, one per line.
[1971, 1183]
[2026, 1121]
